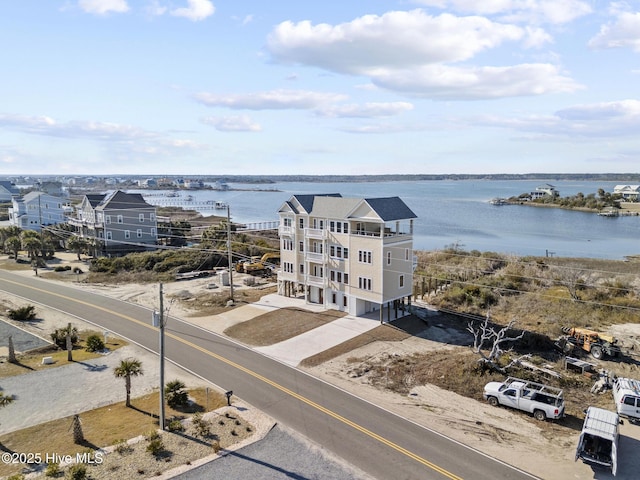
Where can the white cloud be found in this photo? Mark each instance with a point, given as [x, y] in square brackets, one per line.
[103, 7]
[606, 119]
[368, 110]
[196, 10]
[273, 100]
[458, 83]
[239, 123]
[409, 52]
[624, 32]
[397, 39]
[525, 11]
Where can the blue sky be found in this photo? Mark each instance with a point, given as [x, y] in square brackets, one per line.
[213, 87]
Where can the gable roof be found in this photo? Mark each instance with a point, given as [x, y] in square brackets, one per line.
[9, 187]
[390, 208]
[120, 200]
[306, 202]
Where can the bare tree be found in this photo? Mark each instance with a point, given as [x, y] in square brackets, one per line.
[488, 338]
[572, 278]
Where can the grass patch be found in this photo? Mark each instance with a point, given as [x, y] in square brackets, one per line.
[396, 332]
[32, 361]
[101, 427]
[280, 325]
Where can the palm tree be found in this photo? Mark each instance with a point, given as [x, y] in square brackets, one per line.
[129, 367]
[32, 245]
[14, 244]
[77, 245]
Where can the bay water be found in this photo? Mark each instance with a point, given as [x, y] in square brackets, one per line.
[458, 212]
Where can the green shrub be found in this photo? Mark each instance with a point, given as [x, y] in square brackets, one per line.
[22, 314]
[17, 476]
[176, 394]
[77, 471]
[94, 344]
[201, 427]
[62, 268]
[155, 446]
[52, 470]
[175, 426]
[122, 447]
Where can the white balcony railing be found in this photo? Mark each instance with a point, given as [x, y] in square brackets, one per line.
[317, 233]
[316, 281]
[315, 257]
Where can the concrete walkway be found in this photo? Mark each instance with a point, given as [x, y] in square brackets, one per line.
[294, 350]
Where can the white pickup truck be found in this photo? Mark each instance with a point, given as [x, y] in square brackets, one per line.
[541, 400]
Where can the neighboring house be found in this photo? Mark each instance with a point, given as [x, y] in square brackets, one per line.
[7, 191]
[630, 193]
[35, 210]
[348, 254]
[52, 188]
[543, 191]
[118, 222]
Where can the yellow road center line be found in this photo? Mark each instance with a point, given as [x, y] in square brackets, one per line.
[257, 376]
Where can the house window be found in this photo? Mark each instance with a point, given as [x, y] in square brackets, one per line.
[286, 222]
[127, 234]
[153, 232]
[406, 254]
[332, 275]
[301, 222]
[301, 246]
[139, 233]
[338, 227]
[346, 279]
[344, 301]
[364, 283]
[333, 298]
[152, 217]
[401, 281]
[332, 251]
[364, 256]
[345, 252]
[345, 227]
[388, 258]
[302, 268]
[141, 217]
[339, 276]
[120, 219]
[332, 226]
[108, 218]
[109, 236]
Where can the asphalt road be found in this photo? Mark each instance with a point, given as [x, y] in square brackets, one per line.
[376, 441]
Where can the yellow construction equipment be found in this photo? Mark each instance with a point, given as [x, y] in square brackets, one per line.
[598, 344]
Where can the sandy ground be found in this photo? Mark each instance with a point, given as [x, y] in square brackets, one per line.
[497, 432]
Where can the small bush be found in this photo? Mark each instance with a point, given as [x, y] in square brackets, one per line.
[155, 447]
[77, 471]
[152, 435]
[202, 427]
[23, 314]
[94, 344]
[17, 476]
[62, 268]
[175, 426]
[122, 447]
[52, 470]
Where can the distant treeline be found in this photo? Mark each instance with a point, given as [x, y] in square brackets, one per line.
[603, 177]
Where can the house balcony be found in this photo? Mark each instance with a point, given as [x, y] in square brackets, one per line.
[282, 230]
[315, 257]
[314, 281]
[316, 233]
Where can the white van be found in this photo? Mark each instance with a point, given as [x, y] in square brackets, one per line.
[626, 393]
[598, 443]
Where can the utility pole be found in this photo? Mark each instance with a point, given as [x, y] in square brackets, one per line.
[158, 321]
[230, 254]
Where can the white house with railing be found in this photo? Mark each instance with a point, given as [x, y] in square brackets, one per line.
[348, 254]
